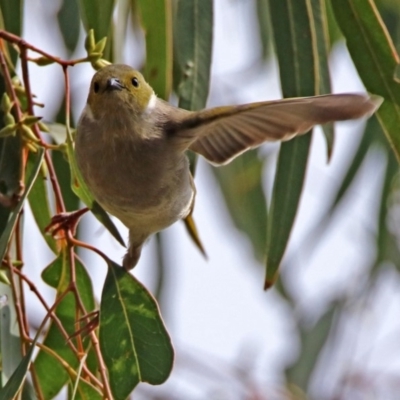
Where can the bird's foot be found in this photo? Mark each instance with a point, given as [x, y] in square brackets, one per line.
[62, 222]
[131, 257]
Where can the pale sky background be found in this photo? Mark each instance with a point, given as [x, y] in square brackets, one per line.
[217, 310]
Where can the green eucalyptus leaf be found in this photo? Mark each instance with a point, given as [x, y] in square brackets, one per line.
[86, 391]
[12, 13]
[68, 20]
[156, 19]
[193, 37]
[241, 185]
[14, 384]
[375, 58]
[134, 342]
[10, 172]
[313, 341]
[193, 48]
[387, 242]
[51, 375]
[265, 28]
[334, 31]
[320, 24]
[10, 164]
[6, 234]
[58, 132]
[39, 202]
[97, 15]
[295, 42]
[10, 339]
[370, 137]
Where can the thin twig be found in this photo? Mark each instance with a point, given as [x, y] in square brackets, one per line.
[21, 43]
[60, 207]
[77, 242]
[56, 320]
[94, 339]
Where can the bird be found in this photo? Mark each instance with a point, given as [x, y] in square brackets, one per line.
[131, 146]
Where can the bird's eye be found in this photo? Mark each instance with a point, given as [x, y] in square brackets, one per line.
[135, 82]
[96, 87]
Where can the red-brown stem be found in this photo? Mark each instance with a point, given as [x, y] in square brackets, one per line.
[19, 298]
[55, 319]
[60, 207]
[67, 98]
[77, 242]
[28, 91]
[17, 304]
[74, 289]
[28, 339]
[23, 46]
[51, 311]
[69, 233]
[21, 43]
[95, 342]
[19, 256]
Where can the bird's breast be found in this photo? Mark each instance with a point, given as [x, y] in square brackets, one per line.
[138, 181]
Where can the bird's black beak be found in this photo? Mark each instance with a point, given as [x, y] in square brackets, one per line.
[114, 84]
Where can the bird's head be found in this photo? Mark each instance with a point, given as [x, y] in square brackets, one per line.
[118, 89]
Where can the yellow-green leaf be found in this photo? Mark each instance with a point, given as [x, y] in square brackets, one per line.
[134, 342]
[156, 19]
[375, 58]
[296, 47]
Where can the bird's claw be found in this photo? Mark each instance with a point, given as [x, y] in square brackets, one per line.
[64, 221]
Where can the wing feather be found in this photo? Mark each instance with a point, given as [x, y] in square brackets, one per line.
[222, 133]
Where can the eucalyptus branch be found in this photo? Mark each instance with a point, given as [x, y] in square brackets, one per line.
[22, 44]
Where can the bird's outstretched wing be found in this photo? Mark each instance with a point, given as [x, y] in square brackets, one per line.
[220, 134]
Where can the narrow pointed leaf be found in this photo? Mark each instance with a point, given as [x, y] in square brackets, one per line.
[10, 172]
[387, 243]
[193, 35]
[5, 237]
[265, 29]
[375, 58]
[86, 391]
[39, 202]
[320, 24]
[13, 386]
[295, 42]
[12, 13]
[193, 48]
[10, 160]
[58, 132]
[68, 20]
[50, 373]
[156, 19]
[97, 15]
[370, 136]
[10, 339]
[63, 172]
[134, 342]
[334, 31]
[241, 185]
[312, 342]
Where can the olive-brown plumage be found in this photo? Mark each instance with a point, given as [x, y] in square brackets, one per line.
[130, 145]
